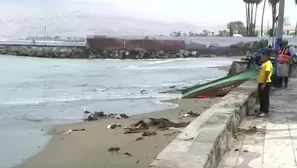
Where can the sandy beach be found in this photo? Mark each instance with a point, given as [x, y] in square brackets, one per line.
[89, 148]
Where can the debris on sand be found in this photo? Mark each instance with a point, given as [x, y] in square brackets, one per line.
[91, 117]
[113, 126]
[114, 149]
[173, 131]
[100, 115]
[190, 114]
[163, 123]
[82, 129]
[155, 123]
[117, 149]
[128, 154]
[139, 138]
[149, 133]
[73, 130]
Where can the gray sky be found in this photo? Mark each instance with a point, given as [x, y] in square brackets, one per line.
[198, 12]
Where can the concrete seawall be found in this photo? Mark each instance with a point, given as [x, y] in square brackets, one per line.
[203, 143]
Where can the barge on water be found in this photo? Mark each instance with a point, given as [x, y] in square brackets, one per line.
[132, 43]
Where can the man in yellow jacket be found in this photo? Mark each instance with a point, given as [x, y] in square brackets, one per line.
[264, 82]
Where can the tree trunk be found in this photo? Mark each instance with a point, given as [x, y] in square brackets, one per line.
[251, 21]
[273, 18]
[248, 25]
[255, 20]
[247, 17]
[263, 18]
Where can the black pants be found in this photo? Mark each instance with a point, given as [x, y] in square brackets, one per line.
[264, 97]
[284, 80]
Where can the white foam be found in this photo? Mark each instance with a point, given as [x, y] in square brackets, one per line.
[33, 118]
[162, 61]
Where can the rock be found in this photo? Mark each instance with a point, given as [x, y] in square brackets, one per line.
[91, 117]
[68, 132]
[114, 149]
[118, 117]
[139, 138]
[190, 114]
[113, 126]
[149, 133]
[82, 129]
[124, 115]
[127, 154]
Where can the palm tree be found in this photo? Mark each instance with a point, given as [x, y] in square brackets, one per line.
[256, 2]
[273, 4]
[251, 7]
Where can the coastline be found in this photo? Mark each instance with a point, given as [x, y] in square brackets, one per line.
[89, 148]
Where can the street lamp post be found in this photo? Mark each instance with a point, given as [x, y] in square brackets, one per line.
[279, 38]
[279, 31]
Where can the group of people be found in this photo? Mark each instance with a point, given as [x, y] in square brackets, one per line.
[284, 63]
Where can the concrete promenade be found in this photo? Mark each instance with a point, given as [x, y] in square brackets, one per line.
[268, 142]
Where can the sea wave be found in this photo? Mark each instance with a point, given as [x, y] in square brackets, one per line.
[33, 118]
[114, 97]
[162, 61]
[175, 67]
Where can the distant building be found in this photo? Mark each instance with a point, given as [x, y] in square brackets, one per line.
[288, 29]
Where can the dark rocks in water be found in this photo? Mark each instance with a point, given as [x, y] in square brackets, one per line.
[86, 112]
[99, 114]
[124, 115]
[172, 87]
[143, 91]
[91, 117]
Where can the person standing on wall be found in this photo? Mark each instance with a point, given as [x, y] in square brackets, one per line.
[264, 82]
[284, 60]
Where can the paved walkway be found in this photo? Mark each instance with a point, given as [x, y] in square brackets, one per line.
[270, 142]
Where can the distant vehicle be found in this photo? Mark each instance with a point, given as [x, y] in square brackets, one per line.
[237, 35]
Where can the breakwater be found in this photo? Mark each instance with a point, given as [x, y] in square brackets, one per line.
[189, 49]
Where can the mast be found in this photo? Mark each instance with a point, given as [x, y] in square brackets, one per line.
[45, 38]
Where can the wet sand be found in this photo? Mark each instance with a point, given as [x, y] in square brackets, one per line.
[89, 148]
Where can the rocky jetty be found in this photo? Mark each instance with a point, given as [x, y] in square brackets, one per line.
[44, 51]
[85, 52]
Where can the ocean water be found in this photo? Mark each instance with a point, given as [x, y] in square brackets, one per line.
[38, 93]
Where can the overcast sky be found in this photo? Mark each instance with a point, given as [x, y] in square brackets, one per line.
[198, 12]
